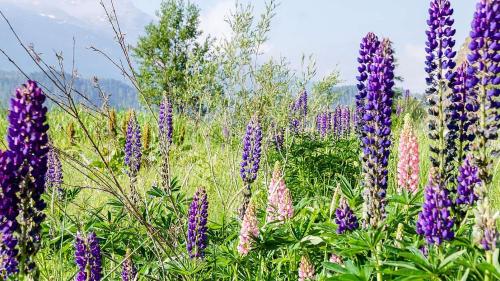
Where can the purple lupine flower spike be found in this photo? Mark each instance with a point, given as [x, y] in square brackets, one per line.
[484, 60]
[298, 112]
[9, 211]
[88, 257]
[345, 218]
[485, 232]
[197, 225]
[165, 130]
[95, 260]
[54, 176]
[133, 146]
[439, 65]
[129, 272]
[165, 122]
[377, 133]
[250, 162]
[368, 46]
[28, 142]
[81, 258]
[435, 221]
[468, 182]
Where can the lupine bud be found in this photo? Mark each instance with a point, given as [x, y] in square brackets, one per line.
[435, 221]
[368, 46]
[28, 141]
[279, 204]
[133, 146]
[468, 182]
[88, 257]
[306, 270]
[252, 150]
[485, 231]
[335, 259]
[54, 176]
[408, 163]
[345, 218]
[9, 211]
[377, 133]
[249, 231]
[484, 59]
[439, 65]
[197, 225]
[129, 272]
[298, 113]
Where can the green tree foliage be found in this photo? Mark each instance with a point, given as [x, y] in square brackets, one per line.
[172, 57]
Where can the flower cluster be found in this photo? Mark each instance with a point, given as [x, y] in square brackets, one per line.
[129, 272]
[368, 46]
[249, 230]
[345, 218]
[306, 269]
[298, 113]
[484, 80]
[439, 65]
[279, 205]
[133, 146]
[88, 257]
[408, 163]
[468, 181]
[336, 259]
[435, 221]
[377, 132]
[341, 121]
[197, 226]
[323, 123]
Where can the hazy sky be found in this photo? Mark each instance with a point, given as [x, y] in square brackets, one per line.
[332, 29]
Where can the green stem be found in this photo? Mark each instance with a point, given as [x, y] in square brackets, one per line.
[379, 263]
[489, 259]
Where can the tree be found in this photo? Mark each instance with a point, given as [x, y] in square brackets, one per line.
[170, 54]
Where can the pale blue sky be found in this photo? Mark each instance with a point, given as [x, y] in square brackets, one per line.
[332, 29]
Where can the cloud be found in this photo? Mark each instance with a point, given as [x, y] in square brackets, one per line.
[213, 20]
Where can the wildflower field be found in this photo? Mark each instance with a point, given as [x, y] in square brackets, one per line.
[243, 170]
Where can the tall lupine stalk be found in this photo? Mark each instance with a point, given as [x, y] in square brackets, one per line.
[298, 113]
[468, 182]
[439, 65]
[88, 257]
[484, 59]
[435, 222]
[377, 133]
[9, 210]
[249, 230]
[279, 200]
[133, 154]
[197, 225]
[28, 143]
[462, 111]
[250, 162]
[165, 131]
[368, 46]
[408, 160]
[484, 67]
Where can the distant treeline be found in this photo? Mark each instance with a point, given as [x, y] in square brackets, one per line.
[120, 94]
